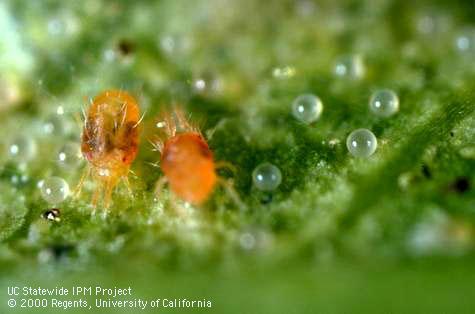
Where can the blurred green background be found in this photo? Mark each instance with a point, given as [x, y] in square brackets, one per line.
[391, 233]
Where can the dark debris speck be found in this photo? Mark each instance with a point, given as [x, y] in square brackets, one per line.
[52, 214]
[125, 47]
[426, 171]
[61, 250]
[461, 184]
[266, 199]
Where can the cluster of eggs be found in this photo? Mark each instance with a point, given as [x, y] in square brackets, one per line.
[307, 108]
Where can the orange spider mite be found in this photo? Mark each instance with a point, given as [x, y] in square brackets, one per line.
[186, 159]
[110, 140]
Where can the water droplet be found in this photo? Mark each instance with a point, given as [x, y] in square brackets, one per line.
[266, 177]
[384, 103]
[54, 190]
[361, 143]
[307, 108]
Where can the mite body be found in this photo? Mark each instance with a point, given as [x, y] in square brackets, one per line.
[110, 140]
[188, 164]
[186, 160]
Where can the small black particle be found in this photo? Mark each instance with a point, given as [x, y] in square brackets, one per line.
[461, 184]
[426, 172]
[266, 199]
[125, 47]
[52, 214]
[61, 250]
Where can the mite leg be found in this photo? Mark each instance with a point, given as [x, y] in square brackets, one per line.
[157, 145]
[228, 186]
[181, 121]
[210, 133]
[168, 125]
[78, 188]
[173, 199]
[128, 186]
[95, 199]
[108, 194]
[81, 119]
[159, 186]
[225, 165]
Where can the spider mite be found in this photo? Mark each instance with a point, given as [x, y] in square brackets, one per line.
[110, 141]
[187, 161]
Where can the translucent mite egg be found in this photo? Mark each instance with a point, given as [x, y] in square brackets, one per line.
[54, 190]
[69, 155]
[175, 45]
[266, 177]
[465, 41]
[361, 143]
[206, 83]
[284, 72]
[384, 103]
[350, 66]
[307, 108]
[54, 125]
[22, 148]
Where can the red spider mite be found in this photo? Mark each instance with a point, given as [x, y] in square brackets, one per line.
[110, 140]
[187, 161]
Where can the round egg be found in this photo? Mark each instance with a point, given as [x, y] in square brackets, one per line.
[54, 190]
[266, 177]
[384, 103]
[361, 143]
[307, 108]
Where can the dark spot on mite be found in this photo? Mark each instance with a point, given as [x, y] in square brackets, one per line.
[129, 136]
[109, 143]
[426, 171]
[129, 128]
[461, 185]
[125, 47]
[452, 133]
